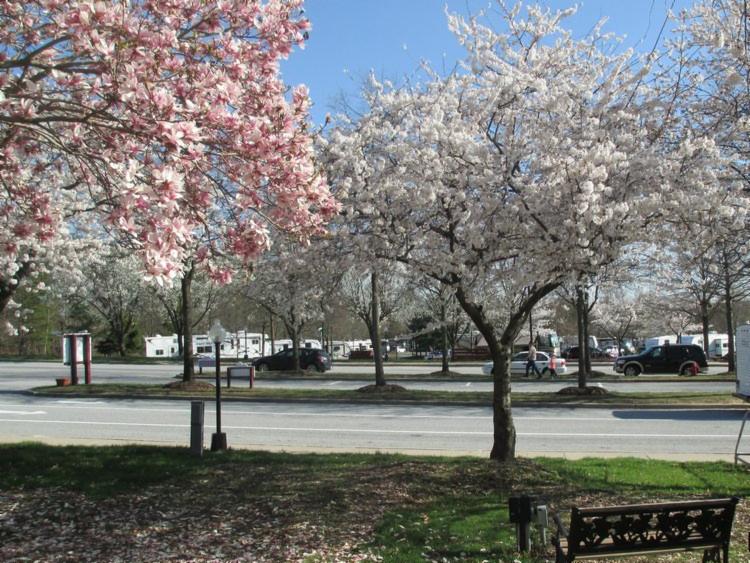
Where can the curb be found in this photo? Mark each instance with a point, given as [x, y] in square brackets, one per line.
[521, 404]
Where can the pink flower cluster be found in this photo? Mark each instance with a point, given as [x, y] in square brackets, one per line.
[169, 116]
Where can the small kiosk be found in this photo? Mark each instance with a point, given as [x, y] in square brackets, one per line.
[77, 350]
[742, 347]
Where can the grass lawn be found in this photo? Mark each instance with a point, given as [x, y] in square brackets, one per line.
[156, 504]
[478, 398]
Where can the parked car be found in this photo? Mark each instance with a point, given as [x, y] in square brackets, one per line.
[435, 355]
[518, 364]
[309, 359]
[670, 358]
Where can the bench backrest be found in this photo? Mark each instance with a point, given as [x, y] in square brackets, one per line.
[645, 527]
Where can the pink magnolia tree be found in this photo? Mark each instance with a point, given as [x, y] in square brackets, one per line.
[169, 117]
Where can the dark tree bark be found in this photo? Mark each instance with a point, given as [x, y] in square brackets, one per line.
[188, 370]
[728, 305]
[582, 337]
[501, 350]
[374, 329]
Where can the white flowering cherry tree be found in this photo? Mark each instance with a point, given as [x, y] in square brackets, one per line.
[294, 283]
[536, 163]
[170, 117]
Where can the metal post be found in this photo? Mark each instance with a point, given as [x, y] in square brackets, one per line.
[219, 438]
[197, 412]
[737, 454]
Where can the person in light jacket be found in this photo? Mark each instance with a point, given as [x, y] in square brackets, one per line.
[531, 362]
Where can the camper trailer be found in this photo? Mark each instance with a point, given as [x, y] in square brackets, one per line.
[235, 345]
[718, 344]
[284, 343]
[161, 346]
[659, 341]
[340, 349]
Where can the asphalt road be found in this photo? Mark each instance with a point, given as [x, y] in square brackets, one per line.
[447, 430]
[666, 434]
[17, 376]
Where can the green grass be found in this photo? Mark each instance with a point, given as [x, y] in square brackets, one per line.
[399, 508]
[416, 396]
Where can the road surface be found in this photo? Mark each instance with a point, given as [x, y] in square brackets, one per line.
[17, 376]
[445, 430]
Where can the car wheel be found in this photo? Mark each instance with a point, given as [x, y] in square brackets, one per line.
[632, 370]
[261, 367]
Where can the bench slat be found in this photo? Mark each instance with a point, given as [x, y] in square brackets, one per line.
[612, 531]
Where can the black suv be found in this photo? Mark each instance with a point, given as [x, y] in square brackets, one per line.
[670, 358]
[309, 359]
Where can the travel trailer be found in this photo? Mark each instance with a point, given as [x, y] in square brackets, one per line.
[285, 343]
[659, 341]
[340, 349]
[235, 345]
[718, 344]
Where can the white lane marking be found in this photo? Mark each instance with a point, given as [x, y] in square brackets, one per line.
[92, 423]
[468, 384]
[333, 383]
[228, 409]
[23, 413]
[74, 402]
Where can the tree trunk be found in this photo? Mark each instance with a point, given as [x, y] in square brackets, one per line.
[375, 330]
[503, 429]
[295, 347]
[729, 313]
[705, 326]
[587, 339]
[188, 370]
[273, 335]
[582, 338]
[445, 364]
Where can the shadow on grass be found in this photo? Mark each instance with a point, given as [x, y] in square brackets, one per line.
[107, 470]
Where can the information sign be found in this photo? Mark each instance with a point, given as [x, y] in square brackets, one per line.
[742, 347]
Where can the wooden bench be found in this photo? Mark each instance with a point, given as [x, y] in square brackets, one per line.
[617, 531]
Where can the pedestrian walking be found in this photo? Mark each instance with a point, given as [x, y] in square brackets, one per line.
[531, 362]
[552, 365]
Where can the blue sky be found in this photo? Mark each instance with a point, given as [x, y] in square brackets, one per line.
[350, 38]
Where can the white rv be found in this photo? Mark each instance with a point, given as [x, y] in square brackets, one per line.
[659, 341]
[161, 346]
[340, 349]
[234, 345]
[718, 344]
[284, 343]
